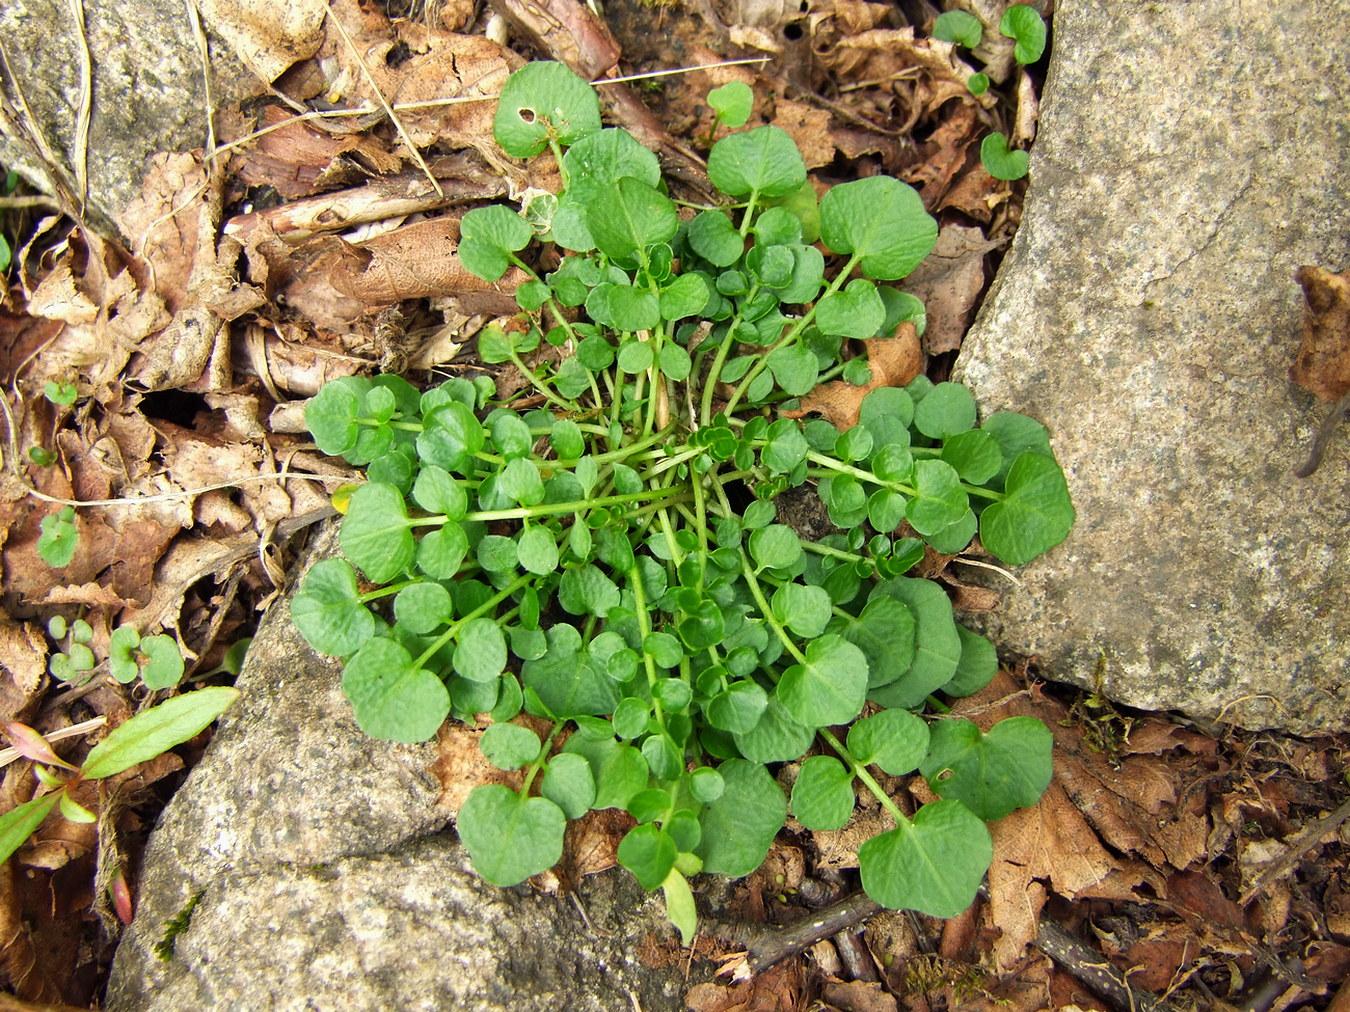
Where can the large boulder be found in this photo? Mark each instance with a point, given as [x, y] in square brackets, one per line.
[309, 866]
[1191, 156]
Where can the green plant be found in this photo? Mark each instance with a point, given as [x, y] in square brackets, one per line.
[1021, 23]
[960, 27]
[58, 537]
[156, 660]
[146, 735]
[615, 564]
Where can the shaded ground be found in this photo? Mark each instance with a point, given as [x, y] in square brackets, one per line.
[1181, 854]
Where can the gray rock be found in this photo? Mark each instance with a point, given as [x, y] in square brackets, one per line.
[149, 92]
[327, 878]
[1191, 156]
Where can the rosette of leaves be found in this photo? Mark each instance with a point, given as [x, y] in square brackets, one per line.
[613, 564]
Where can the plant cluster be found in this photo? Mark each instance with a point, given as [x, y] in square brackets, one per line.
[1022, 23]
[606, 553]
[155, 660]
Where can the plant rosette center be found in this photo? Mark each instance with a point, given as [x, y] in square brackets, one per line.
[613, 561]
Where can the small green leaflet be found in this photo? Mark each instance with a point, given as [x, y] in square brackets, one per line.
[58, 538]
[732, 102]
[959, 27]
[895, 740]
[999, 161]
[1025, 24]
[510, 838]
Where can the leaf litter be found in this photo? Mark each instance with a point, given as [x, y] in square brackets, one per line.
[1151, 830]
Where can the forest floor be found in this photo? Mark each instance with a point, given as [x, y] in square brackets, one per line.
[1206, 864]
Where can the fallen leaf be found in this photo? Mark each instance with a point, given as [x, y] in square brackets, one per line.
[858, 996]
[267, 36]
[809, 128]
[1322, 365]
[23, 667]
[894, 361]
[949, 283]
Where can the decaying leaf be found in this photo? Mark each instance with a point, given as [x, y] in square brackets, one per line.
[949, 283]
[894, 361]
[268, 37]
[1322, 365]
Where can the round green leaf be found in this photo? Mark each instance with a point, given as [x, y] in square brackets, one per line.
[999, 161]
[977, 667]
[830, 688]
[422, 607]
[628, 216]
[713, 237]
[508, 837]
[441, 552]
[436, 492]
[739, 826]
[937, 645]
[933, 865]
[732, 102]
[163, 662]
[949, 408]
[993, 773]
[649, 853]
[959, 27]
[375, 534]
[331, 414]
[805, 610]
[122, 653]
[975, 454]
[569, 783]
[595, 161]
[543, 100]
[882, 221]
[885, 632]
[538, 551]
[480, 650]
[1025, 24]
[856, 311]
[895, 740]
[1035, 515]
[775, 547]
[624, 308]
[764, 161]
[939, 500]
[822, 797]
[392, 699]
[509, 746]
[737, 709]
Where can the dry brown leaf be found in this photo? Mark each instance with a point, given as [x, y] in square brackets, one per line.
[894, 361]
[945, 153]
[809, 128]
[267, 36]
[592, 842]
[1322, 365]
[460, 767]
[778, 989]
[23, 667]
[949, 283]
[858, 996]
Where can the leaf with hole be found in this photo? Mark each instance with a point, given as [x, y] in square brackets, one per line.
[543, 101]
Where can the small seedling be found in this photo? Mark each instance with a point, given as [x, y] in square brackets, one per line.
[960, 27]
[732, 103]
[58, 538]
[148, 734]
[1000, 162]
[613, 561]
[156, 660]
[42, 457]
[61, 394]
[1025, 24]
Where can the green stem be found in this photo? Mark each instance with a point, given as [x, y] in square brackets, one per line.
[767, 612]
[792, 333]
[541, 759]
[520, 583]
[860, 771]
[645, 628]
